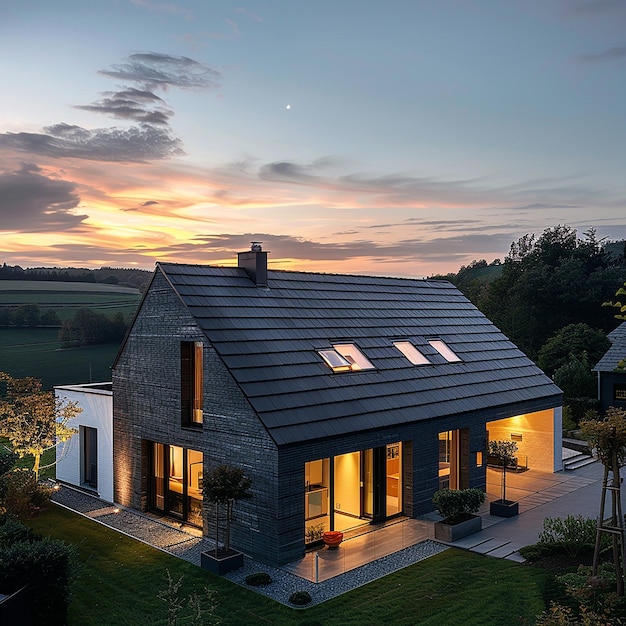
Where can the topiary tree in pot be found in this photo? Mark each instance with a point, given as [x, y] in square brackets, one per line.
[506, 454]
[457, 507]
[222, 487]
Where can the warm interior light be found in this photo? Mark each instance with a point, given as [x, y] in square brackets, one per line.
[479, 459]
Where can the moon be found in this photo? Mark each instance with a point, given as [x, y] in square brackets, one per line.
[288, 106]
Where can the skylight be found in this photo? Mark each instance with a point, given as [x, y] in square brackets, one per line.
[335, 361]
[445, 351]
[354, 356]
[345, 357]
[411, 352]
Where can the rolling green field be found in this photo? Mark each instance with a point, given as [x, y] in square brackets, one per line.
[65, 298]
[37, 352]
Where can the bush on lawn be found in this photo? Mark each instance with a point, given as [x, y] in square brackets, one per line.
[47, 567]
[572, 534]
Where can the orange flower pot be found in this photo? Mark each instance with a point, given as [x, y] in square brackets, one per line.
[332, 538]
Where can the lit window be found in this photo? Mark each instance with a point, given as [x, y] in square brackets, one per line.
[191, 382]
[444, 350]
[354, 356]
[411, 352]
[345, 357]
[335, 361]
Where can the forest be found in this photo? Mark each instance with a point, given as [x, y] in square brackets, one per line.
[547, 296]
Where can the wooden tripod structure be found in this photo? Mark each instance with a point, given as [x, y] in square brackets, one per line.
[613, 525]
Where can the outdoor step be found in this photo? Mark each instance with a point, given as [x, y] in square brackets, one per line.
[515, 556]
[575, 458]
[488, 547]
[572, 465]
[504, 551]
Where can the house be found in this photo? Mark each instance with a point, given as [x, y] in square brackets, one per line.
[348, 400]
[611, 369]
[86, 459]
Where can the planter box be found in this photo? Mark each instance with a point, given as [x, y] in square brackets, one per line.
[453, 532]
[504, 508]
[222, 563]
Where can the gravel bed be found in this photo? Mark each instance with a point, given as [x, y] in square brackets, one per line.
[284, 583]
[186, 546]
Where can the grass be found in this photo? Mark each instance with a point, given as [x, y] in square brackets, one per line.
[119, 579]
[66, 298]
[37, 352]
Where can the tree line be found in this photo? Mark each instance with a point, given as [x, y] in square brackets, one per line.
[84, 328]
[547, 297]
[129, 277]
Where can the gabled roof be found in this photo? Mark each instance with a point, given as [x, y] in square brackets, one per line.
[269, 338]
[617, 351]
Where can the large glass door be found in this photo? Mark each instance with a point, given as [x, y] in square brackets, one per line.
[393, 480]
[176, 483]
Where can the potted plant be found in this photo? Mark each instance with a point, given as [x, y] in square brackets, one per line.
[457, 507]
[314, 533]
[223, 487]
[504, 452]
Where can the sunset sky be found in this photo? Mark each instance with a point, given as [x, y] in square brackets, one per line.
[393, 137]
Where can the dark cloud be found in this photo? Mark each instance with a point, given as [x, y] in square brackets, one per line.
[138, 105]
[615, 53]
[32, 202]
[135, 144]
[162, 71]
[207, 248]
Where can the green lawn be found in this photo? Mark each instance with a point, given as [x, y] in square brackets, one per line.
[119, 579]
[37, 352]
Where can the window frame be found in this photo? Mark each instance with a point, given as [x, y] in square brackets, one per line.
[412, 353]
[191, 383]
[345, 357]
[444, 350]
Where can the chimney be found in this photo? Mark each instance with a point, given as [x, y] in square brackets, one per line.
[254, 263]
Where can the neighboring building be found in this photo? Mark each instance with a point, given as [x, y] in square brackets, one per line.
[611, 370]
[347, 399]
[86, 460]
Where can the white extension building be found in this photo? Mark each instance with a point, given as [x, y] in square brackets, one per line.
[86, 460]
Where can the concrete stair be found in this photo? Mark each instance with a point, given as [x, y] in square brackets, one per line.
[578, 460]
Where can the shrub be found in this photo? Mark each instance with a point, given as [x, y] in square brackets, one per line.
[536, 551]
[455, 505]
[12, 531]
[258, 579]
[572, 533]
[47, 566]
[314, 532]
[300, 598]
[23, 495]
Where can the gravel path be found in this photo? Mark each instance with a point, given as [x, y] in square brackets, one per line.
[185, 545]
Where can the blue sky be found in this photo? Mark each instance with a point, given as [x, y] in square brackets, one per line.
[401, 137]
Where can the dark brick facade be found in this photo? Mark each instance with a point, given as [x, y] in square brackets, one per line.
[270, 526]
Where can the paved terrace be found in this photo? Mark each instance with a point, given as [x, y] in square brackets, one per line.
[370, 554]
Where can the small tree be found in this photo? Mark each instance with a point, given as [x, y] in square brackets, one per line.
[222, 487]
[607, 437]
[33, 420]
[505, 452]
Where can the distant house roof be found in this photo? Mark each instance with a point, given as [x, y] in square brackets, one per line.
[616, 352]
[269, 338]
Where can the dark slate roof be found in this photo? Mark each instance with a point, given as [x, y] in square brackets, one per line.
[616, 352]
[269, 337]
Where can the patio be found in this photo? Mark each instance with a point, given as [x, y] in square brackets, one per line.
[540, 495]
